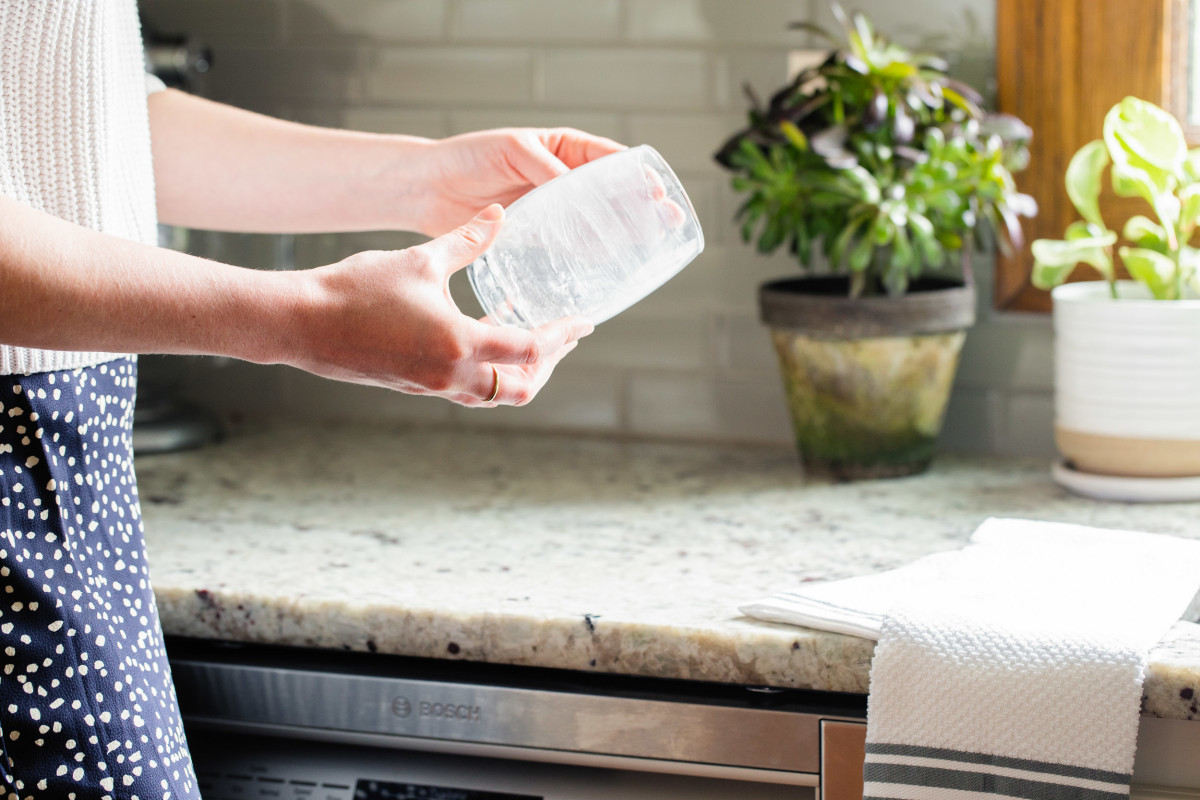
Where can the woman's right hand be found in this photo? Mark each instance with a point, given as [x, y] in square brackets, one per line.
[381, 318]
[387, 319]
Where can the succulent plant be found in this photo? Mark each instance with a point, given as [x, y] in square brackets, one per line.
[878, 158]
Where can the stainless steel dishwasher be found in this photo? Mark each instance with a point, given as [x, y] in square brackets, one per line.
[273, 722]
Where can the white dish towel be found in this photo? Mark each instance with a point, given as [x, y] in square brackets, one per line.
[1012, 667]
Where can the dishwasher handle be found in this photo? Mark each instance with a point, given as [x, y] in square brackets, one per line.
[843, 751]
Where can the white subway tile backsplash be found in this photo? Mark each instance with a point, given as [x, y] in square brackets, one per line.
[973, 421]
[699, 406]
[426, 122]
[598, 123]
[636, 340]
[464, 298]
[983, 267]
[1028, 425]
[704, 194]
[723, 87]
[538, 20]
[575, 398]
[258, 78]
[728, 204]
[235, 389]
[381, 240]
[689, 361]
[753, 410]
[662, 21]
[744, 346]
[673, 404]
[764, 69]
[611, 78]
[692, 291]
[323, 21]
[329, 115]
[988, 357]
[430, 123]
[214, 22]
[962, 31]
[939, 25]
[449, 76]
[317, 250]
[742, 269]
[253, 250]
[686, 141]
[1008, 353]
[730, 201]
[716, 21]
[310, 397]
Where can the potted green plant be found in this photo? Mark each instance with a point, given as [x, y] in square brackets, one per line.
[886, 166]
[1127, 352]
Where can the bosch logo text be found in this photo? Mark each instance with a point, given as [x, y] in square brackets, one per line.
[403, 708]
[460, 711]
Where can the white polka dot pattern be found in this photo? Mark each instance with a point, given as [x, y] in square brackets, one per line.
[87, 707]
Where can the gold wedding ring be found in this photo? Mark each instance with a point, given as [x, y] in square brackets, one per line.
[495, 386]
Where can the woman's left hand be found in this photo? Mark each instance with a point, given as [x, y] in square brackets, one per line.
[470, 171]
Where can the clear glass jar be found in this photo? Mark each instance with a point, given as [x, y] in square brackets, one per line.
[589, 243]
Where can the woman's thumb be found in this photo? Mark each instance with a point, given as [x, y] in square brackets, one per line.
[464, 244]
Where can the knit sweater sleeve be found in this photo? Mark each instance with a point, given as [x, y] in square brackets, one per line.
[75, 132]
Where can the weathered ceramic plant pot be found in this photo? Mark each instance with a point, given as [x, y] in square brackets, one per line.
[1127, 381]
[867, 379]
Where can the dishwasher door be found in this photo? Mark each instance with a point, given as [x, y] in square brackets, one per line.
[242, 766]
[269, 722]
[276, 722]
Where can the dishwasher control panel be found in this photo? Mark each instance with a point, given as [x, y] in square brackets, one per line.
[268, 768]
[261, 767]
[215, 785]
[385, 790]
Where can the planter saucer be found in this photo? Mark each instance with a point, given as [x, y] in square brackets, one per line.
[1125, 490]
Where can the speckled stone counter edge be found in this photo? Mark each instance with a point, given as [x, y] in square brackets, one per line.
[745, 652]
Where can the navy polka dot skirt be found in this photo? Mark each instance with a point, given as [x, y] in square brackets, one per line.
[87, 708]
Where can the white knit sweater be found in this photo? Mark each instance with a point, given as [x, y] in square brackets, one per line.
[74, 132]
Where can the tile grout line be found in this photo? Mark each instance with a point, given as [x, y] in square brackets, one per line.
[537, 69]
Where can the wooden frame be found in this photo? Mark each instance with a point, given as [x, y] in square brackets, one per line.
[1060, 65]
[1179, 27]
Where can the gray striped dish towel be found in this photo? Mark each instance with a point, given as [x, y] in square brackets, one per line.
[1012, 667]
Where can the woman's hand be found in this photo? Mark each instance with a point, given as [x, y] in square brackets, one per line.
[387, 319]
[381, 318]
[462, 174]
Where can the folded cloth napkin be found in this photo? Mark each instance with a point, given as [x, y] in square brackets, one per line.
[1011, 667]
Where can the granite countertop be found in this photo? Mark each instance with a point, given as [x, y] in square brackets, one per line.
[568, 552]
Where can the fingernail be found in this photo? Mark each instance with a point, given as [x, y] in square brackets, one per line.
[493, 213]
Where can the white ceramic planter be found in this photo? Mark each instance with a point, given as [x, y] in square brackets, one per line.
[1127, 381]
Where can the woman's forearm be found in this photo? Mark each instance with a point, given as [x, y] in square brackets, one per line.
[65, 287]
[381, 318]
[222, 168]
